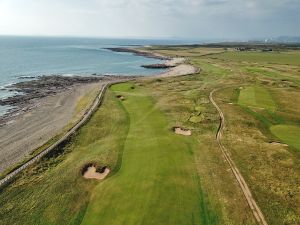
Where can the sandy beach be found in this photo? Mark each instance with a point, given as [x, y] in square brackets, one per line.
[30, 130]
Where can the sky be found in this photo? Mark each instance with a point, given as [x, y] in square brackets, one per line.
[206, 19]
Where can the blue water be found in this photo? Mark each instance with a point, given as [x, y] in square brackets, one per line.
[34, 56]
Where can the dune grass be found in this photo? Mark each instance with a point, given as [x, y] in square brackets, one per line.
[288, 134]
[157, 182]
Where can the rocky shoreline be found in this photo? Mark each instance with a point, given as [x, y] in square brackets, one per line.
[29, 92]
[139, 53]
[158, 66]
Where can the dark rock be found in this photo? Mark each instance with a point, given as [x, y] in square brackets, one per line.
[138, 52]
[45, 86]
[157, 66]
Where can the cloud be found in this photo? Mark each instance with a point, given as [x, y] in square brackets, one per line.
[186, 18]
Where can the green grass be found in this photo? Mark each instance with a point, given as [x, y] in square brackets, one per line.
[157, 182]
[288, 134]
[53, 191]
[284, 58]
[270, 169]
[256, 96]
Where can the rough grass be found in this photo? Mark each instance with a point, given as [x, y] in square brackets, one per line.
[186, 51]
[53, 191]
[288, 134]
[281, 58]
[270, 169]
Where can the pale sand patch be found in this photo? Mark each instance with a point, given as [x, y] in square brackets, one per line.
[278, 143]
[180, 70]
[181, 131]
[92, 173]
[175, 61]
[121, 97]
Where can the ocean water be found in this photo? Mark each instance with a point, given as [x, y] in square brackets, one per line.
[22, 57]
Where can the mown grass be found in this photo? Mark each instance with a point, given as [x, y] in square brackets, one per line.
[53, 191]
[158, 181]
[289, 134]
[256, 96]
[180, 98]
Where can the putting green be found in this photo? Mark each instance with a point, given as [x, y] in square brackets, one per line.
[157, 182]
[288, 134]
[255, 96]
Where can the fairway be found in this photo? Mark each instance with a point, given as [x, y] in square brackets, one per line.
[288, 134]
[157, 182]
[257, 97]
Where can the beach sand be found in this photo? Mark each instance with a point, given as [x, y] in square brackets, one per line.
[26, 132]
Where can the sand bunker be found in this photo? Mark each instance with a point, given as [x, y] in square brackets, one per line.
[91, 173]
[121, 97]
[182, 131]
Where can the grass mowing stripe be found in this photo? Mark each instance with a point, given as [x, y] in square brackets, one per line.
[157, 182]
[289, 134]
[256, 97]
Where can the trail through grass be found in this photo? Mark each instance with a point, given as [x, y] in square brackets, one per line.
[157, 182]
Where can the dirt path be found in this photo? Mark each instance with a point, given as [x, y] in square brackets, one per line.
[246, 191]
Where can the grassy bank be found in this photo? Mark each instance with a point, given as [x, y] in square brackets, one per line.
[53, 191]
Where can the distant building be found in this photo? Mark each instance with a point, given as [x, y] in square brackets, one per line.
[267, 50]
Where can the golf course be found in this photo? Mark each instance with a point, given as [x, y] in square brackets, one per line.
[157, 175]
[157, 137]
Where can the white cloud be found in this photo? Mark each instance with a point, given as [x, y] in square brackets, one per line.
[149, 17]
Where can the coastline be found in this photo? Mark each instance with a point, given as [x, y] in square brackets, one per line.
[176, 66]
[38, 120]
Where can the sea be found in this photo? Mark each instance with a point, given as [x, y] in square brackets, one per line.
[25, 58]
